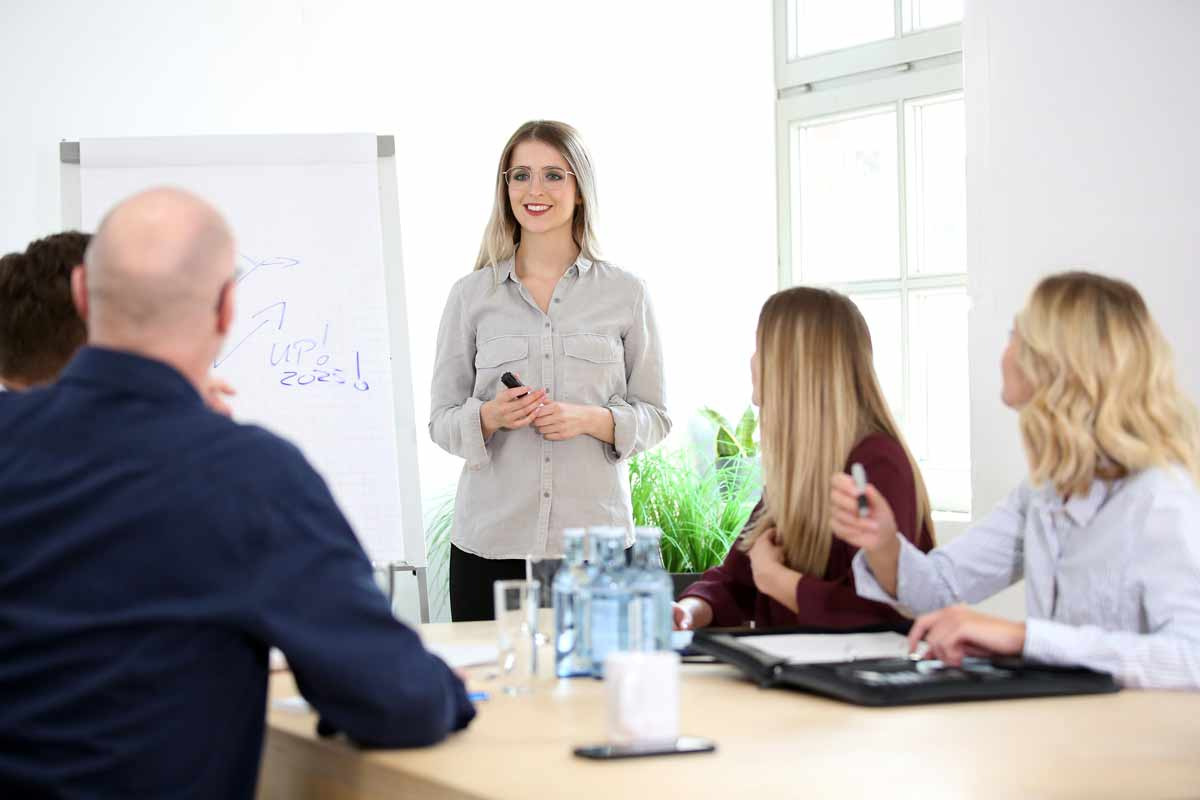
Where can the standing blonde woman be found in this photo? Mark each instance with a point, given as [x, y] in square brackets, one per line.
[580, 333]
[1105, 530]
[821, 411]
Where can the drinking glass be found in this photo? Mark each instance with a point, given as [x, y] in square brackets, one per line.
[516, 626]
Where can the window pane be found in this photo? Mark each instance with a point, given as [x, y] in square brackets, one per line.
[920, 14]
[882, 313]
[845, 211]
[939, 421]
[935, 171]
[818, 26]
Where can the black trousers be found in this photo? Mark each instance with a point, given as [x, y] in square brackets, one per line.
[471, 579]
[472, 576]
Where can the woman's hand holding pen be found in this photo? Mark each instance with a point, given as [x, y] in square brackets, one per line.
[874, 533]
[510, 409]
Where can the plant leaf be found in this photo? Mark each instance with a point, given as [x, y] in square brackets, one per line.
[727, 440]
[745, 432]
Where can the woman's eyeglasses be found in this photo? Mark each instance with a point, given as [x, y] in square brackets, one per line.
[524, 176]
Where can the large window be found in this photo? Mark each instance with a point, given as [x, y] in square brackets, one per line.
[871, 183]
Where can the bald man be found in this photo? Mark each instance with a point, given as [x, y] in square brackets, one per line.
[152, 550]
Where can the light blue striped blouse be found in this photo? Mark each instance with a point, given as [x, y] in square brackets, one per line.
[1112, 579]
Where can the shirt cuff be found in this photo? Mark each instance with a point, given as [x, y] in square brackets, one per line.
[1052, 643]
[915, 579]
[471, 428]
[624, 430]
[865, 583]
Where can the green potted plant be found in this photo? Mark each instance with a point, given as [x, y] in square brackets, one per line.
[439, 519]
[700, 510]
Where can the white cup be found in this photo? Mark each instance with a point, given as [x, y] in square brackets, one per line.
[642, 691]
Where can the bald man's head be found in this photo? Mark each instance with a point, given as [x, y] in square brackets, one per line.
[159, 273]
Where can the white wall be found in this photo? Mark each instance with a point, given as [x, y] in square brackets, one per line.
[675, 99]
[1083, 151]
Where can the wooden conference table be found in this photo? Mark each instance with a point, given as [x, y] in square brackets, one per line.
[770, 744]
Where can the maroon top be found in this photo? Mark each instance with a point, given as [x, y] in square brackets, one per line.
[829, 601]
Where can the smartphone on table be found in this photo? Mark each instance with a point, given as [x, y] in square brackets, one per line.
[681, 746]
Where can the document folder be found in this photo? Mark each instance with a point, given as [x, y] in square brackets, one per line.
[891, 680]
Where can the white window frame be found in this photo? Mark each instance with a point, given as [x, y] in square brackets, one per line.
[873, 75]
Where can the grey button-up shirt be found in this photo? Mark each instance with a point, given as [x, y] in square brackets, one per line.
[1112, 579]
[597, 345]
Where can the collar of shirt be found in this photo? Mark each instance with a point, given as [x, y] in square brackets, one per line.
[507, 269]
[130, 373]
[1081, 509]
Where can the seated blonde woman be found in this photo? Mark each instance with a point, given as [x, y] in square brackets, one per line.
[1106, 528]
[821, 410]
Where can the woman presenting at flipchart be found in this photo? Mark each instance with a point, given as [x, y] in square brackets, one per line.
[580, 334]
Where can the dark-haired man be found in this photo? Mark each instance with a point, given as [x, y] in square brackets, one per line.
[39, 327]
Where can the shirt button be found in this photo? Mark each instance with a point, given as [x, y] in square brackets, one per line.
[547, 355]
[547, 459]
[558, 299]
[547, 324]
[545, 494]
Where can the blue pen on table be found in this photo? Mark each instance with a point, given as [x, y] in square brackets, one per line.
[860, 483]
[477, 697]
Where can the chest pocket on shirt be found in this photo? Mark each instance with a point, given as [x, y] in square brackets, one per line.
[495, 357]
[594, 367]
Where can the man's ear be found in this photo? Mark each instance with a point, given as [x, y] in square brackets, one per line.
[79, 291]
[225, 308]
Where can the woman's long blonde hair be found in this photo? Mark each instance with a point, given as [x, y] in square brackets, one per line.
[503, 232]
[820, 396]
[1105, 400]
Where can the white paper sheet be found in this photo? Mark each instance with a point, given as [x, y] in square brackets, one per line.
[458, 656]
[294, 705]
[818, 648]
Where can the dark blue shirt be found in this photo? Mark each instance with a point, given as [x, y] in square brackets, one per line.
[150, 552]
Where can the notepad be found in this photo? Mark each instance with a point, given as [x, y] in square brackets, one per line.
[295, 704]
[465, 655]
[823, 648]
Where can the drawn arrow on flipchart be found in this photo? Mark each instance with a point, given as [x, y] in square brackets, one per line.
[284, 262]
[282, 305]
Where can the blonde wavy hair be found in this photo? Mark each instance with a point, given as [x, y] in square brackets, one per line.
[820, 397]
[503, 232]
[1105, 400]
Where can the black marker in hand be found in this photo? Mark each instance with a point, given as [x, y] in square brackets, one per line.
[510, 380]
